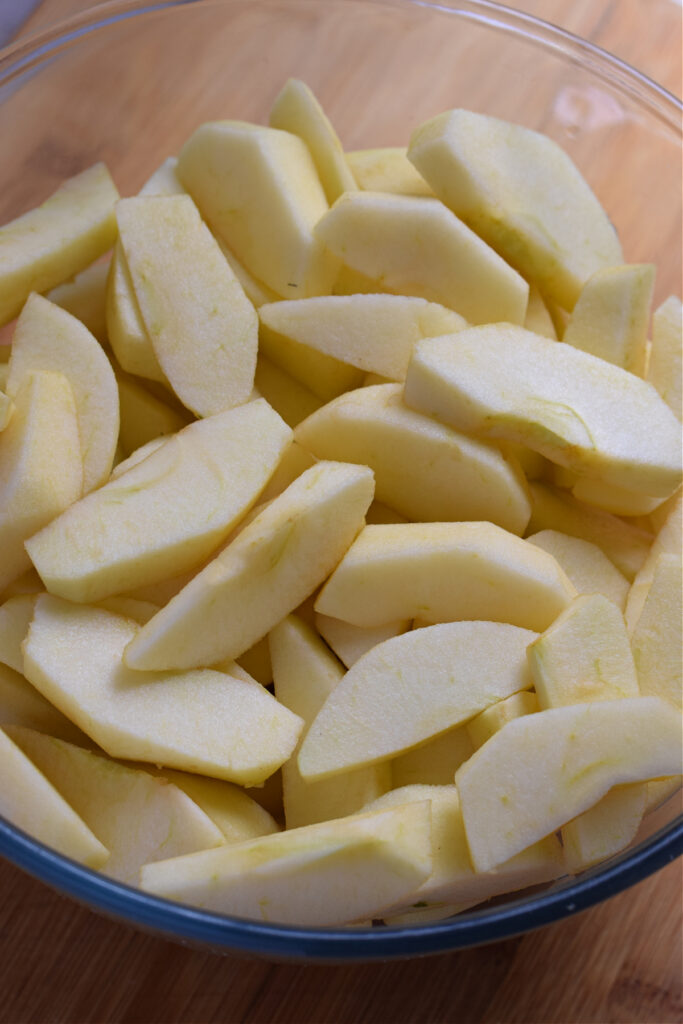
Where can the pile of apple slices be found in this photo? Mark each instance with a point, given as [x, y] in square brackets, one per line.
[385, 429]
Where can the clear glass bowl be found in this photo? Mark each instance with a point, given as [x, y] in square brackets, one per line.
[128, 82]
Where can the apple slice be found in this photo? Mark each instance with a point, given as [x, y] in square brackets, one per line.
[31, 803]
[605, 829]
[274, 564]
[22, 704]
[585, 655]
[577, 410]
[349, 642]
[203, 329]
[453, 879]
[122, 536]
[291, 399]
[618, 500]
[667, 542]
[138, 817]
[305, 673]
[434, 762]
[656, 636]
[426, 471]
[624, 544]
[387, 169]
[538, 318]
[611, 315]
[85, 297]
[41, 471]
[143, 416]
[411, 688]
[375, 333]
[48, 338]
[585, 750]
[125, 327]
[407, 570]
[6, 406]
[322, 374]
[259, 191]
[522, 193]
[297, 110]
[15, 618]
[588, 568]
[490, 721]
[664, 371]
[324, 874]
[48, 245]
[380, 235]
[204, 721]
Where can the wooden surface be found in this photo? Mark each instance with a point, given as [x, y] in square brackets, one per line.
[619, 962]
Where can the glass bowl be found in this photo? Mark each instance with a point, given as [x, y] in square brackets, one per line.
[128, 82]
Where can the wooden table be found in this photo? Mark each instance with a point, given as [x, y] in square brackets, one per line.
[619, 962]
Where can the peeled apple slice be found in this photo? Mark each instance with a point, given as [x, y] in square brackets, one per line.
[407, 570]
[349, 642]
[376, 333]
[656, 637]
[21, 704]
[126, 330]
[500, 381]
[53, 242]
[48, 338]
[203, 329]
[588, 568]
[297, 110]
[387, 169]
[610, 318]
[584, 750]
[203, 721]
[273, 565]
[15, 618]
[330, 873]
[665, 370]
[418, 247]
[426, 471]
[31, 803]
[413, 687]
[305, 673]
[434, 762]
[85, 297]
[259, 191]
[522, 193]
[41, 470]
[167, 513]
[138, 817]
[490, 721]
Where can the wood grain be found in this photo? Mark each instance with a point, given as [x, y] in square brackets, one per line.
[617, 963]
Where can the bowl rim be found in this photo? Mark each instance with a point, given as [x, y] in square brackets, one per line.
[224, 933]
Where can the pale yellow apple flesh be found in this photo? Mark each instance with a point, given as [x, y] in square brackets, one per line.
[577, 410]
[488, 722]
[407, 570]
[585, 750]
[21, 704]
[665, 369]
[329, 873]
[424, 470]
[387, 169]
[268, 570]
[85, 297]
[350, 642]
[588, 568]
[435, 762]
[201, 721]
[656, 636]
[185, 288]
[56, 240]
[411, 688]
[50, 339]
[378, 234]
[166, 514]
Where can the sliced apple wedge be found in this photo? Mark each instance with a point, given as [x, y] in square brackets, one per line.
[380, 234]
[500, 381]
[407, 570]
[48, 245]
[21, 704]
[144, 417]
[305, 673]
[426, 471]
[387, 169]
[123, 535]
[259, 191]
[15, 618]
[85, 297]
[41, 470]
[522, 193]
[203, 329]
[330, 873]
[297, 110]
[611, 316]
[274, 564]
[203, 721]
[375, 333]
[585, 750]
[588, 568]
[665, 370]
[656, 636]
[488, 722]
[31, 803]
[435, 762]
[291, 399]
[48, 338]
[411, 688]
[139, 818]
[126, 330]
[349, 642]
